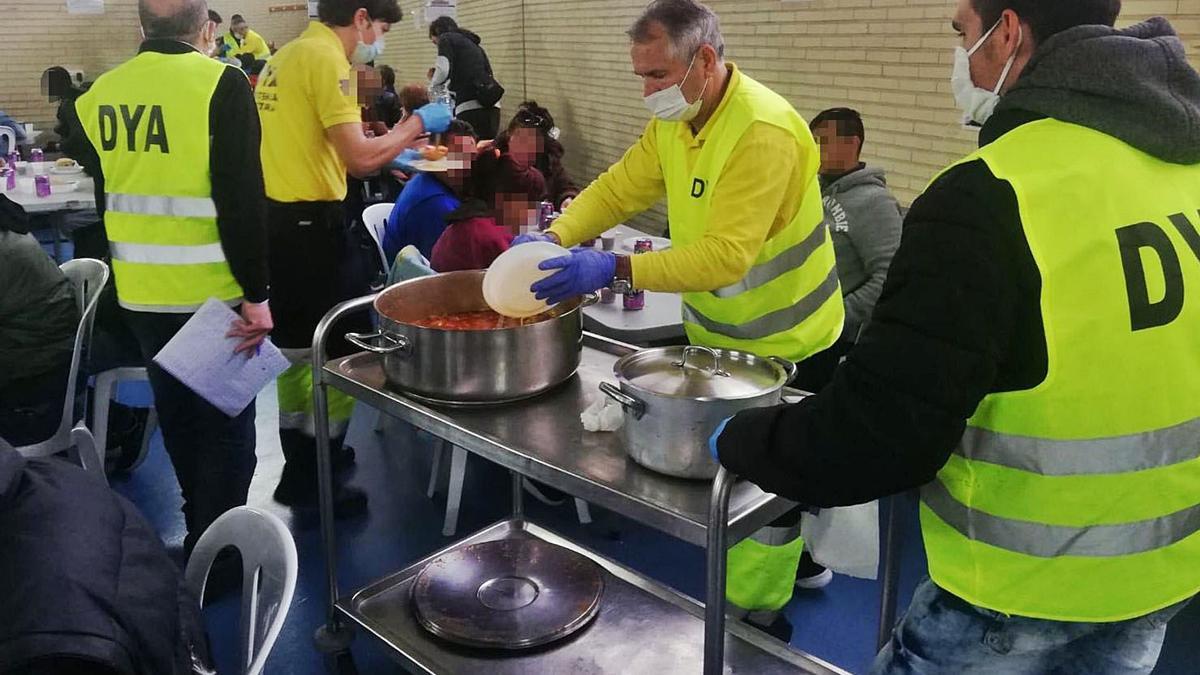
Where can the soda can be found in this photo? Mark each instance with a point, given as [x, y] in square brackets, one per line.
[41, 185]
[545, 211]
[36, 155]
[634, 300]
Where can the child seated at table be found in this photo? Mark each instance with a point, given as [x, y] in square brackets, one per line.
[504, 198]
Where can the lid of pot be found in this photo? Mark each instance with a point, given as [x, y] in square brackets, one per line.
[700, 373]
[507, 594]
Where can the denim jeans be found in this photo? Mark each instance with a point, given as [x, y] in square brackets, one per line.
[213, 454]
[942, 633]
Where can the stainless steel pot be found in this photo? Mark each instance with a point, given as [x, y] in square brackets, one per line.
[468, 366]
[674, 398]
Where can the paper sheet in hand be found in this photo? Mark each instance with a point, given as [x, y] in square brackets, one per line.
[202, 358]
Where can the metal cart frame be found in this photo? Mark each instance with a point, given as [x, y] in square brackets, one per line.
[754, 509]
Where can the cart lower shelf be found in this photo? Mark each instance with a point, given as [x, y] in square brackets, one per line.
[642, 628]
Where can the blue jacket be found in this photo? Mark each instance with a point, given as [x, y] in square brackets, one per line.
[419, 216]
[84, 577]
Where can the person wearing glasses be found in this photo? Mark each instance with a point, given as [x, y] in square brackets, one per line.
[531, 139]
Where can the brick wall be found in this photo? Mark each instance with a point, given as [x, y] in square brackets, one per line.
[40, 33]
[890, 59]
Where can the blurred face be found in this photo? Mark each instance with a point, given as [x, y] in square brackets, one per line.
[515, 210]
[459, 158]
[838, 153]
[525, 145]
[239, 29]
[370, 84]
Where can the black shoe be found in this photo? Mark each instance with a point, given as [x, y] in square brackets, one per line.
[126, 426]
[810, 575]
[348, 502]
[780, 627]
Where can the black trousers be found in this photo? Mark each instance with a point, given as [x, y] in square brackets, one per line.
[213, 454]
[316, 262]
[486, 121]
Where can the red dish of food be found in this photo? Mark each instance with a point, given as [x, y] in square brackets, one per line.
[485, 320]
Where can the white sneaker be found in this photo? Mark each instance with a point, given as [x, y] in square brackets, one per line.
[810, 575]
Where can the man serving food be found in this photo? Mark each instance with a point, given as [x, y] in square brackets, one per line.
[750, 253]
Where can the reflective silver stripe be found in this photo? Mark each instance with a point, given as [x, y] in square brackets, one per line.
[763, 274]
[1052, 541]
[171, 309]
[154, 254]
[769, 324]
[1120, 454]
[160, 205]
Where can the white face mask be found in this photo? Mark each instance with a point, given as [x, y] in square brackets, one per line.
[366, 53]
[671, 105]
[978, 104]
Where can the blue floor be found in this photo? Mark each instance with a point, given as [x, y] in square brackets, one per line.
[837, 624]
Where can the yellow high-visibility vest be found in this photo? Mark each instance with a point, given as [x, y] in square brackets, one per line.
[148, 120]
[1079, 499]
[789, 304]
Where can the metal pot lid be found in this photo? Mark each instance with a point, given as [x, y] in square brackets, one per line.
[507, 594]
[700, 373]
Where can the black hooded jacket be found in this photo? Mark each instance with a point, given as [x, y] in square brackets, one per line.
[469, 65]
[959, 317]
[84, 578]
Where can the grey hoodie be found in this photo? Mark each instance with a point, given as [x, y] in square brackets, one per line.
[864, 221]
[1134, 84]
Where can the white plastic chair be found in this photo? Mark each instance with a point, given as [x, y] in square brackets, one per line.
[102, 394]
[269, 569]
[375, 217]
[87, 277]
[454, 488]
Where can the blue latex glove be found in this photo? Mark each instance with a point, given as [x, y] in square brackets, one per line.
[405, 159]
[712, 440]
[533, 236]
[436, 117]
[583, 271]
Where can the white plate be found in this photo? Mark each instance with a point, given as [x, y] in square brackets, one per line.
[506, 283]
[67, 171]
[660, 244]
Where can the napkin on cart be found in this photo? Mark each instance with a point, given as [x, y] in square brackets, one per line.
[604, 414]
[202, 358]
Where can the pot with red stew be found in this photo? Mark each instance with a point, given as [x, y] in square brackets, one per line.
[441, 342]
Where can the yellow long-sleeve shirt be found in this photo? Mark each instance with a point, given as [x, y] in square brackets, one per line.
[758, 193]
[253, 44]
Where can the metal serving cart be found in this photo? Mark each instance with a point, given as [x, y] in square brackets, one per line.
[642, 626]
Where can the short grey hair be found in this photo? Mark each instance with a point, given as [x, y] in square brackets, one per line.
[689, 25]
[172, 20]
